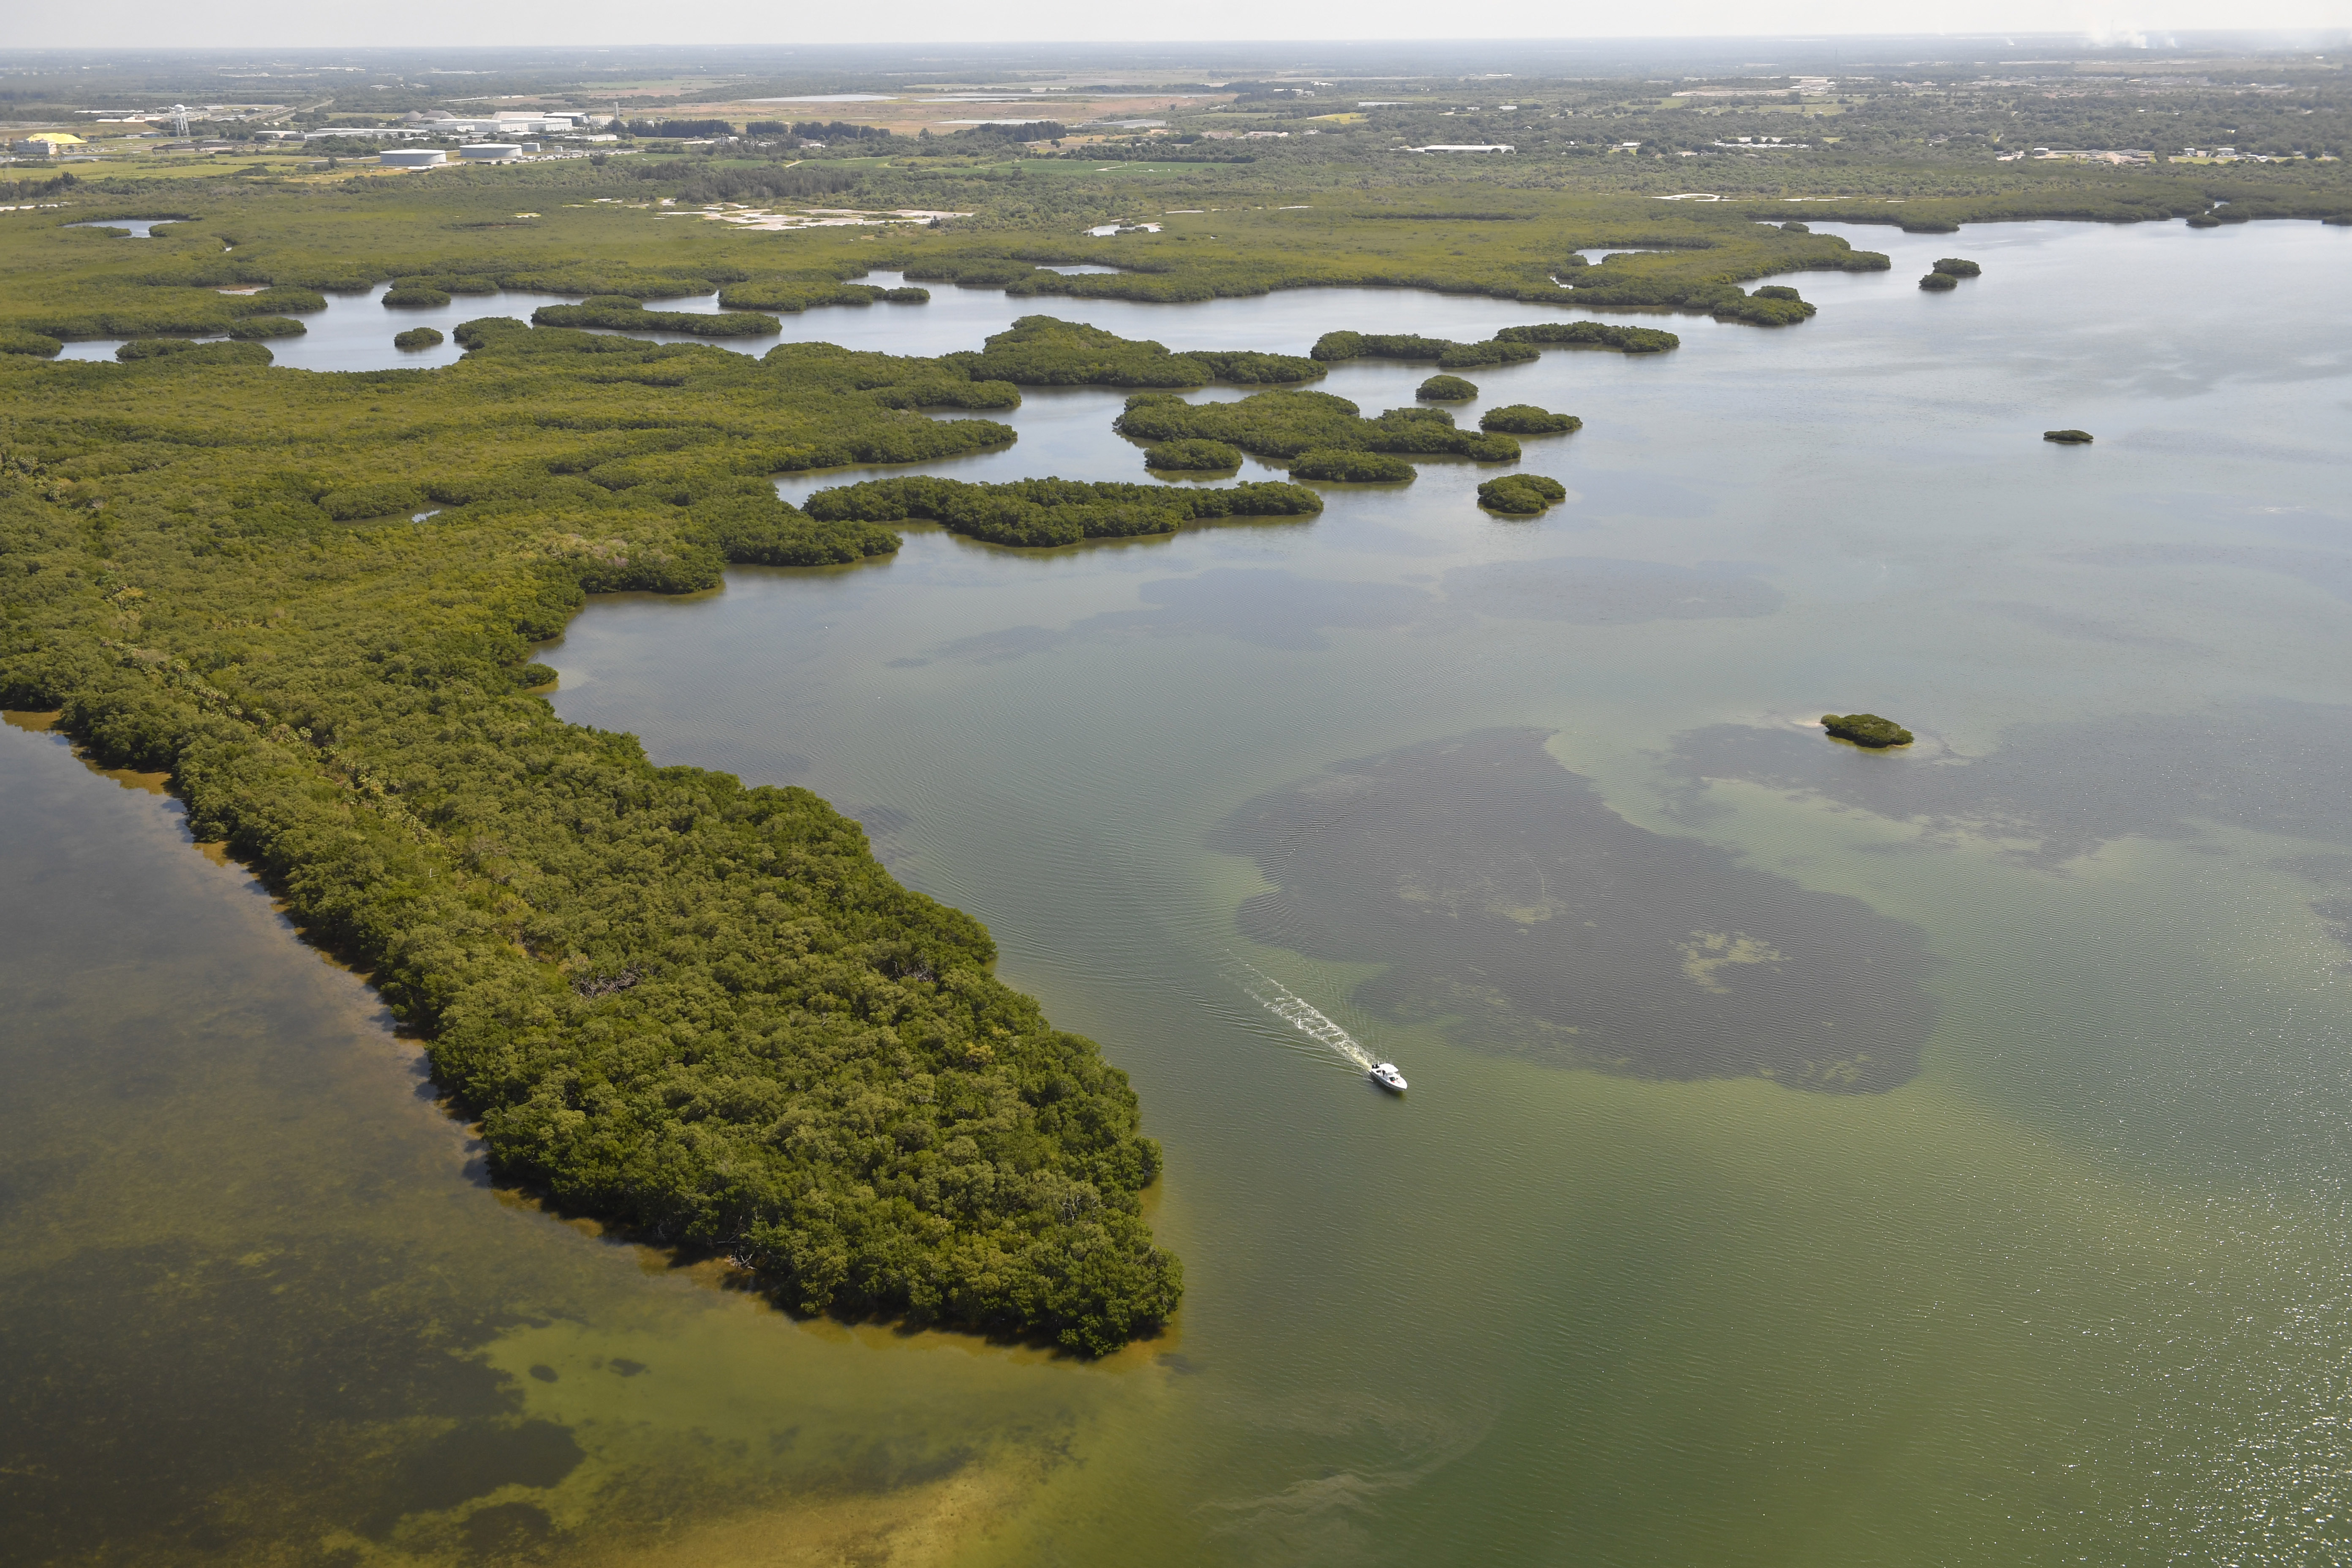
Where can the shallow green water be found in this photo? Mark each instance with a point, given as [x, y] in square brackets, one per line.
[1813, 1157]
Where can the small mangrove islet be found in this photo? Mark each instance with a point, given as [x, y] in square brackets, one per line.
[1936, 282]
[1527, 419]
[1445, 389]
[1285, 425]
[1521, 495]
[417, 338]
[1773, 305]
[2068, 437]
[1866, 730]
[1958, 266]
[1592, 335]
[1336, 347]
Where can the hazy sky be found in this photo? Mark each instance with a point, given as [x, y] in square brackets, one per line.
[305, 23]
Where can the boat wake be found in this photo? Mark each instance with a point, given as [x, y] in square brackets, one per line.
[1306, 1018]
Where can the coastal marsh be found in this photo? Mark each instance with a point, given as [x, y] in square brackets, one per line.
[2044, 1276]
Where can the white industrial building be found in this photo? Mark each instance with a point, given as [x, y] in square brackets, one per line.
[46, 144]
[505, 124]
[371, 133]
[439, 125]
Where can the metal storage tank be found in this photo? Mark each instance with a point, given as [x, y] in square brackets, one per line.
[413, 157]
[490, 151]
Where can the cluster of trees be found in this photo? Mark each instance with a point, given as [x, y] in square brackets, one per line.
[1343, 466]
[31, 190]
[1527, 419]
[1044, 350]
[1866, 730]
[892, 380]
[1948, 273]
[620, 313]
[1028, 131]
[1038, 514]
[1192, 458]
[1594, 335]
[199, 311]
[835, 130]
[603, 277]
[1336, 347]
[973, 272]
[1512, 346]
[175, 290]
[417, 338]
[187, 351]
[251, 327]
[333, 147]
[701, 1010]
[1773, 305]
[676, 128]
[41, 345]
[1514, 256]
[1700, 259]
[1613, 285]
[790, 293]
[1445, 389]
[1169, 150]
[1521, 495]
[733, 183]
[1291, 425]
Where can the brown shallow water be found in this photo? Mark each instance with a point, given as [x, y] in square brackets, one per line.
[2055, 1275]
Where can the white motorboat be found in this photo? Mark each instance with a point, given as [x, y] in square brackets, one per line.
[1388, 1077]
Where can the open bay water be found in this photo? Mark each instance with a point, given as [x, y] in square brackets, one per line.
[1813, 1157]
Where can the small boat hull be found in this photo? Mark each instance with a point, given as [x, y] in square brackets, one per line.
[1388, 1077]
